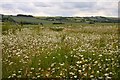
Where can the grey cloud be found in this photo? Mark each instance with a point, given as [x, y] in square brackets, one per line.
[61, 8]
[84, 4]
[41, 4]
[7, 6]
[25, 7]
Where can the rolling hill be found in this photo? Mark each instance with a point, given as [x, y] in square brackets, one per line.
[29, 19]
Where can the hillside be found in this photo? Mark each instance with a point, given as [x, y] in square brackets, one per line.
[29, 19]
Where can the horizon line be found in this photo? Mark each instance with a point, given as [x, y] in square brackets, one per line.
[58, 15]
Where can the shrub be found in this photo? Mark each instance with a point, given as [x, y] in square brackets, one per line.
[56, 28]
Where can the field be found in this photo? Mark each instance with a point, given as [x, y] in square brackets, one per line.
[67, 51]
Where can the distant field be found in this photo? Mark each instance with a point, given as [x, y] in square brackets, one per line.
[88, 51]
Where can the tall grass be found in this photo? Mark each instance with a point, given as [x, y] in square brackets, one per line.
[84, 52]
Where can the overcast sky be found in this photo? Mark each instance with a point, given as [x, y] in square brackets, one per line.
[60, 8]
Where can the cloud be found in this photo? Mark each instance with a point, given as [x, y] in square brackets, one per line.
[59, 1]
[41, 4]
[61, 8]
[7, 6]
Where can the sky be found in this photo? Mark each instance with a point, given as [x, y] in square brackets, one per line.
[60, 8]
